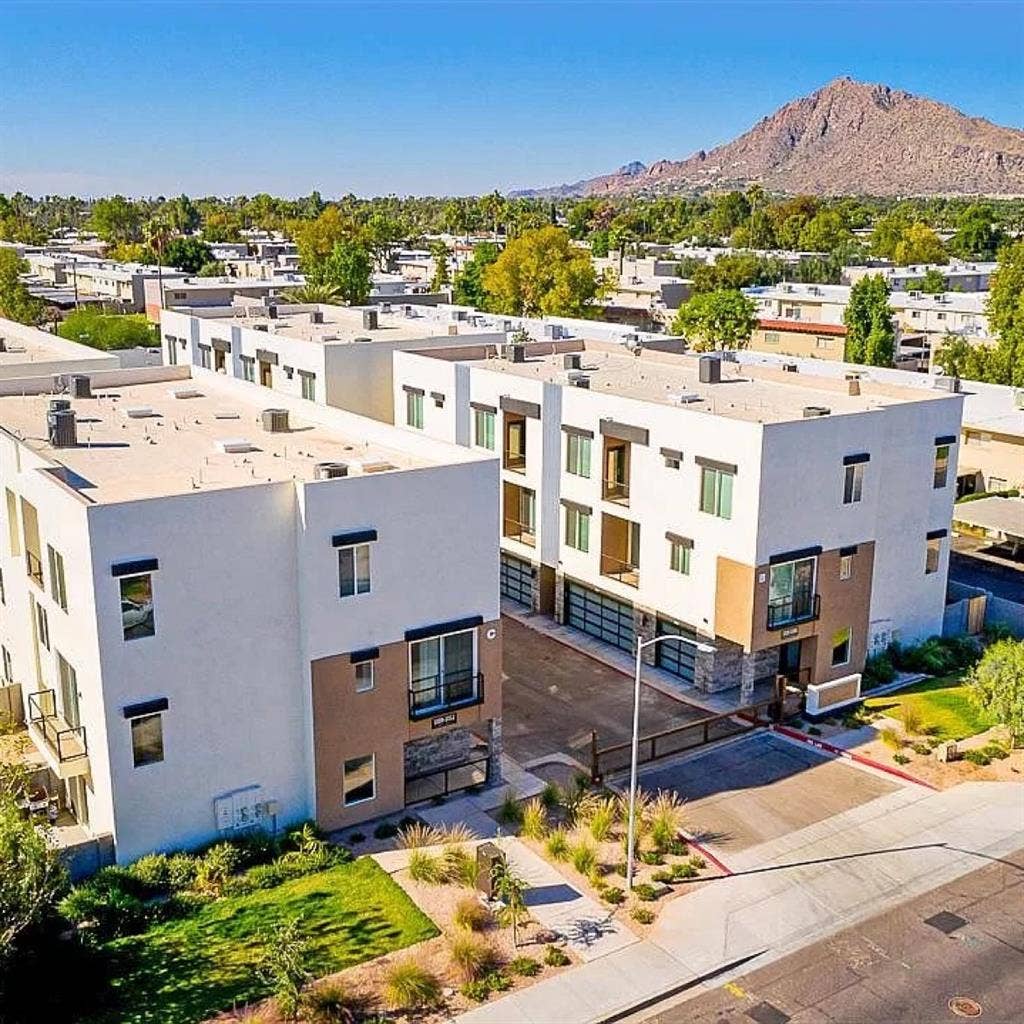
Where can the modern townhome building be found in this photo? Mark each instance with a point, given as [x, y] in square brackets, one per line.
[792, 522]
[213, 292]
[223, 611]
[30, 352]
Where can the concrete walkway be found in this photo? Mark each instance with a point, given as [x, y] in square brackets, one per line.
[785, 894]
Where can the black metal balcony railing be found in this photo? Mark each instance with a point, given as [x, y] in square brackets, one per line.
[66, 741]
[525, 533]
[787, 611]
[436, 694]
[617, 569]
[34, 567]
[616, 490]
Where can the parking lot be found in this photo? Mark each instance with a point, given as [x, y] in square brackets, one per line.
[761, 787]
[554, 696]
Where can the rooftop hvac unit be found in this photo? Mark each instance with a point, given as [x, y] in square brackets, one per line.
[812, 411]
[271, 312]
[261, 327]
[3, 344]
[517, 353]
[275, 421]
[790, 368]
[687, 398]
[572, 361]
[330, 470]
[710, 369]
[57, 404]
[553, 331]
[950, 384]
[61, 428]
[316, 317]
[369, 319]
[581, 381]
[139, 412]
[234, 445]
[385, 307]
[80, 386]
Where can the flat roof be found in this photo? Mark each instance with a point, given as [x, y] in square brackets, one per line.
[1000, 515]
[23, 345]
[755, 393]
[179, 445]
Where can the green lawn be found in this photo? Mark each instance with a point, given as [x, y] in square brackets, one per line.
[187, 970]
[943, 704]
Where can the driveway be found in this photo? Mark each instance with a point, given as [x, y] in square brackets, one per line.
[553, 696]
[760, 788]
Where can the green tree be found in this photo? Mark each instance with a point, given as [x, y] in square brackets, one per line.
[888, 231]
[542, 273]
[599, 243]
[959, 358]
[933, 282]
[469, 285]
[182, 214]
[15, 301]
[511, 888]
[313, 294]
[716, 320]
[825, 232]
[1005, 309]
[919, 244]
[117, 219]
[977, 236]
[384, 234]
[870, 334]
[997, 685]
[729, 210]
[212, 268]
[187, 254]
[109, 331]
[440, 253]
[32, 878]
[283, 965]
[349, 268]
[316, 239]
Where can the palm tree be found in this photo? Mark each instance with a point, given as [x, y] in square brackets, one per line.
[310, 294]
[158, 233]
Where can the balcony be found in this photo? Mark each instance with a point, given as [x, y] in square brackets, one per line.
[623, 571]
[64, 746]
[790, 611]
[435, 695]
[620, 550]
[616, 490]
[519, 518]
[514, 461]
[615, 480]
[34, 568]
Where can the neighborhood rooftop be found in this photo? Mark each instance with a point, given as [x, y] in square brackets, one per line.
[174, 436]
[763, 394]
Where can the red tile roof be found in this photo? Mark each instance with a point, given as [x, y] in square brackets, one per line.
[802, 327]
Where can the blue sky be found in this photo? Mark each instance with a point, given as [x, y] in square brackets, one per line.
[435, 98]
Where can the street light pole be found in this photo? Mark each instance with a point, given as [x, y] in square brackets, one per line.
[641, 644]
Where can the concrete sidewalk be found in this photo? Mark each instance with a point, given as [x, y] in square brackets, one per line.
[786, 894]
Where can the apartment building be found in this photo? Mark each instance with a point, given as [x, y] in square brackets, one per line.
[213, 292]
[29, 352]
[958, 275]
[799, 338]
[794, 523]
[222, 614]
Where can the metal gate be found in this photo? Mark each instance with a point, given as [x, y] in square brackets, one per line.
[517, 580]
[600, 616]
[673, 656]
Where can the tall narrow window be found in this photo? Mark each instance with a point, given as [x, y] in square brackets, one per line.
[577, 528]
[442, 672]
[359, 779]
[941, 466]
[841, 647]
[414, 409]
[364, 676]
[147, 740]
[716, 492]
[679, 557]
[58, 586]
[13, 533]
[577, 455]
[483, 429]
[205, 357]
[248, 368]
[307, 381]
[42, 624]
[846, 567]
[933, 552]
[8, 671]
[853, 483]
[354, 570]
[137, 620]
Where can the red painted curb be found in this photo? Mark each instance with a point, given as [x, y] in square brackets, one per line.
[830, 748]
[705, 853]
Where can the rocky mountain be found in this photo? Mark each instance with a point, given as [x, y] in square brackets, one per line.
[847, 138]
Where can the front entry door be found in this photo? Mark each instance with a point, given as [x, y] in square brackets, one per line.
[789, 660]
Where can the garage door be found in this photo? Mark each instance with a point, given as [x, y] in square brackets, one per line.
[673, 656]
[517, 580]
[599, 615]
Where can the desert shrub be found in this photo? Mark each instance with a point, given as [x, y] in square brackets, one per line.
[550, 796]
[921, 748]
[664, 875]
[458, 866]
[535, 819]
[256, 848]
[890, 737]
[216, 866]
[613, 894]
[458, 833]
[645, 892]
[937, 655]
[913, 720]
[698, 862]
[677, 848]
[978, 757]
[472, 956]
[471, 914]
[265, 876]
[478, 991]
[510, 812]
[282, 965]
[331, 1003]
[601, 817]
[152, 872]
[498, 982]
[385, 830]
[813, 730]
[109, 909]
[425, 867]
[583, 857]
[557, 845]
[555, 957]
[680, 872]
[879, 670]
[410, 986]
[901, 758]
[414, 836]
[524, 967]
[996, 751]
[651, 857]
[619, 867]
[642, 915]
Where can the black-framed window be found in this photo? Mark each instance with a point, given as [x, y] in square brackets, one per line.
[853, 483]
[364, 676]
[147, 740]
[354, 570]
[137, 619]
[359, 779]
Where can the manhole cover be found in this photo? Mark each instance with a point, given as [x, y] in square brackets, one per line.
[765, 1013]
[946, 922]
[964, 1007]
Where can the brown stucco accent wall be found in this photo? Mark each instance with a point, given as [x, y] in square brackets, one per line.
[734, 601]
[348, 724]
